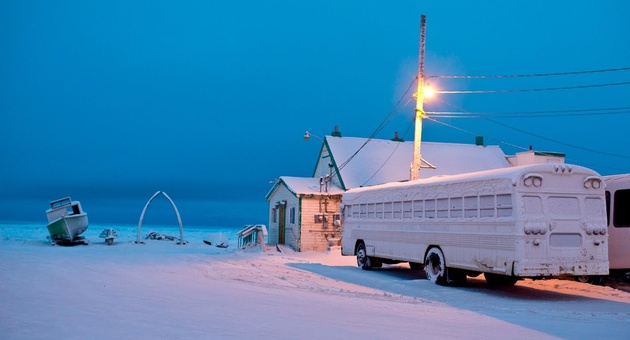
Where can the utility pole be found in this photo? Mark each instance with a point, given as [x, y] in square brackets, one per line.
[417, 158]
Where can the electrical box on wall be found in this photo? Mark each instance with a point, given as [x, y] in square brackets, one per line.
[318, 218]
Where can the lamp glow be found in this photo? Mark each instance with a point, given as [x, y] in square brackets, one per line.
[428, 91]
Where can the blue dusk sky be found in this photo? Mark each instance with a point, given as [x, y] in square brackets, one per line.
[110, 101]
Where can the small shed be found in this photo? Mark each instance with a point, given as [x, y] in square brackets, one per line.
[303, 212]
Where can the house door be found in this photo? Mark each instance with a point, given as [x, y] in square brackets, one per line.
[281, 222]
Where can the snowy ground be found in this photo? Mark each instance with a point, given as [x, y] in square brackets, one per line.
[162, 290]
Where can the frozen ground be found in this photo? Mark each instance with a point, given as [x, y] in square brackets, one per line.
[163, 290]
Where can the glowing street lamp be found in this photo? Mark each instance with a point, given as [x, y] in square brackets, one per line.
[428, 91]
[307, 136]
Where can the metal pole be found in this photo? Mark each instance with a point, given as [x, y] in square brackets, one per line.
[417, 158]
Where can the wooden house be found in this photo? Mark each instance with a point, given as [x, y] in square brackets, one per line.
[302, 213]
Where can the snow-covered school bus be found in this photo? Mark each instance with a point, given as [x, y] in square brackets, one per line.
[535, 221]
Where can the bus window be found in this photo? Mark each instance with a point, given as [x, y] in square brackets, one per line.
[370, 210]
[418, 209]
[564, 208]
[442, 208]
[429, 209]
[470, 206]
[388, 210]
[456, 207]
[486, 205]
[533, 207]
[379, 210]
[593, 208]
[407, 210]
[621, 215]
[504, 205]
[397, 210]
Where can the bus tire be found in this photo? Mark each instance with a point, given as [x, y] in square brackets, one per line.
[500, 280]
[363, 261]
[435, 266]
[598, 280]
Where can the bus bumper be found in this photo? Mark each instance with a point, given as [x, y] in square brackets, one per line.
[568, 268]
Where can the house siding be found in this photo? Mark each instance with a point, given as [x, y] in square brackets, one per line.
[315, 234]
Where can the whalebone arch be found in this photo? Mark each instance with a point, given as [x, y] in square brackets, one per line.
[179, 219]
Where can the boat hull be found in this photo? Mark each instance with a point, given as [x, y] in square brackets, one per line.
[67, 228]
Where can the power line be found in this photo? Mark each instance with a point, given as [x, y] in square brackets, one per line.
[392, 113]
[530, 75]
[390, 155]
[518, 146]
[475, 134]
[559, 142]
[546, 138]
[538, 111]
[533, 90]
[531, 114]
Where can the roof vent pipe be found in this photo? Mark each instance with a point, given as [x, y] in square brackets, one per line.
[479, 141]
[396, 138]
[336, 132]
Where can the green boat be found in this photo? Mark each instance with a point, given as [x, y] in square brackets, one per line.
[66, 222]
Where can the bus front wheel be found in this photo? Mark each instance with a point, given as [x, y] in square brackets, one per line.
[363, 260]
[435, 266]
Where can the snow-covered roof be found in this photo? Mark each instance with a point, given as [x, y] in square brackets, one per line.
[304, 186]
[510, 173]
[383, 161]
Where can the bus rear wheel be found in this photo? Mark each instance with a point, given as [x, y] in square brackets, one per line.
[435, 266]
[363, 261]
[598, 280]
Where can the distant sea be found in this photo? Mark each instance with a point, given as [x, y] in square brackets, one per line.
[126, 232]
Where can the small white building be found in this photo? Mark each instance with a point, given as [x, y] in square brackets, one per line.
[302, 213]
[302, 210]
[535, 157]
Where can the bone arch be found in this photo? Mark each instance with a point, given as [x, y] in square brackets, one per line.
[179, 219]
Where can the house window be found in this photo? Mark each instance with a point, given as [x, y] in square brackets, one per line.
[273, 215]
[292, 215]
